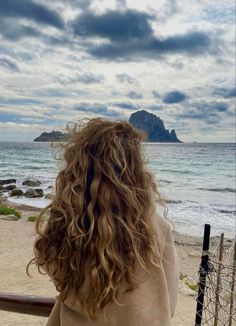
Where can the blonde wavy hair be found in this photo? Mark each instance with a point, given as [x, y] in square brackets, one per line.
[99, 216]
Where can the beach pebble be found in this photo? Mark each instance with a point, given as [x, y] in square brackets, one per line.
[16, 192]
[7, 181]
[34, 193]
[31, 183]
[10, 217]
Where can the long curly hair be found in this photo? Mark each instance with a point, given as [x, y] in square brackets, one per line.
[98, 225]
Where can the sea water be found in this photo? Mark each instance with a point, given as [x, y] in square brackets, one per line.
[197, 179]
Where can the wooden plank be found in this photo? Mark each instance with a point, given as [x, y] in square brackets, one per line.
[26, 304]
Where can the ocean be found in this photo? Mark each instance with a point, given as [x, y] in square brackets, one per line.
[197, 179]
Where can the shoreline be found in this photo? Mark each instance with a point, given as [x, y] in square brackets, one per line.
[180, 237]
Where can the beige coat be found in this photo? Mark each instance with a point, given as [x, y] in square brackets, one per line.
[151, 304]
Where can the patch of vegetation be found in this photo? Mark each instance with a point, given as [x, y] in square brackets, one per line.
[192, 286]
[32, 218]
[6, 210]
[182, 276]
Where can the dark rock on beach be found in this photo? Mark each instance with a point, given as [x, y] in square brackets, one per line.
[7, 181]
[31, 183]
[9, 187]
[52, 136]
[16, 192]
[34, 193]
[49, 196]
[153, 126]
[171, 201]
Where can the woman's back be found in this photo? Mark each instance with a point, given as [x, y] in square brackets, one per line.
[109, 254]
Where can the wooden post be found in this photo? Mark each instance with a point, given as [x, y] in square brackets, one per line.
[202, 275]
[220, 258]
[232, 288]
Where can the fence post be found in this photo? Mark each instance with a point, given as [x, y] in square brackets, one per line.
[221, 248]
[202, 275]
[232, 287]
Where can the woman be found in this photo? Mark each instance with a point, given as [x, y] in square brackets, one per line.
[109, 254]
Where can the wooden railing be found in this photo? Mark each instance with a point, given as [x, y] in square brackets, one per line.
[26, 304]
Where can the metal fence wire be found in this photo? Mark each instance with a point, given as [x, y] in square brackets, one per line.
[216, 300]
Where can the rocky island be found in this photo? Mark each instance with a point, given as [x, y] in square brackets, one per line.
[143, 120]
[153, 126]
[52, 136]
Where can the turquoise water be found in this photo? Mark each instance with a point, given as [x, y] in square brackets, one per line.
[197, 179]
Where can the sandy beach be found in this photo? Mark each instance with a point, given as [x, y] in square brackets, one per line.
[16, 250]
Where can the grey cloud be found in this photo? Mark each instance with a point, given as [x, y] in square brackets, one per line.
[128, 33]
[126, 105]
[14, 31]
[97, 108]
[169, 8]
[11, 29]
[30, 10]
[50, 92]
[60, 40]
[84, 78]
[125, 78]
[89, 78]
[8, 64]
[174, 97]
[177, 64]
[210, 112]
[226, 92]
[221, 15]
[121, 3]
[19, 101]
[81, 4]
[156, 94]
[192, 43]
[113, 25]
[135, 95]
[216, 106]
[155, 107]
[131, 36]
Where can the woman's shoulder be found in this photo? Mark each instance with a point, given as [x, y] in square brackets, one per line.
[161, 224]
[163, 228]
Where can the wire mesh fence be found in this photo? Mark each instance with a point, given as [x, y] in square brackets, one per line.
[216, 300]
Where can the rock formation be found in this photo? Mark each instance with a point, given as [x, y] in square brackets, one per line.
[31, 183]
[143, 120]
[153, 126]
[52, 136]
[34, 193]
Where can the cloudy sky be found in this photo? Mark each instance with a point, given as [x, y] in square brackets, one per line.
[65, 60]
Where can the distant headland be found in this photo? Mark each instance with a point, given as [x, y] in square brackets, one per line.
[52, 136]
[153, 126]
[146, 121]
